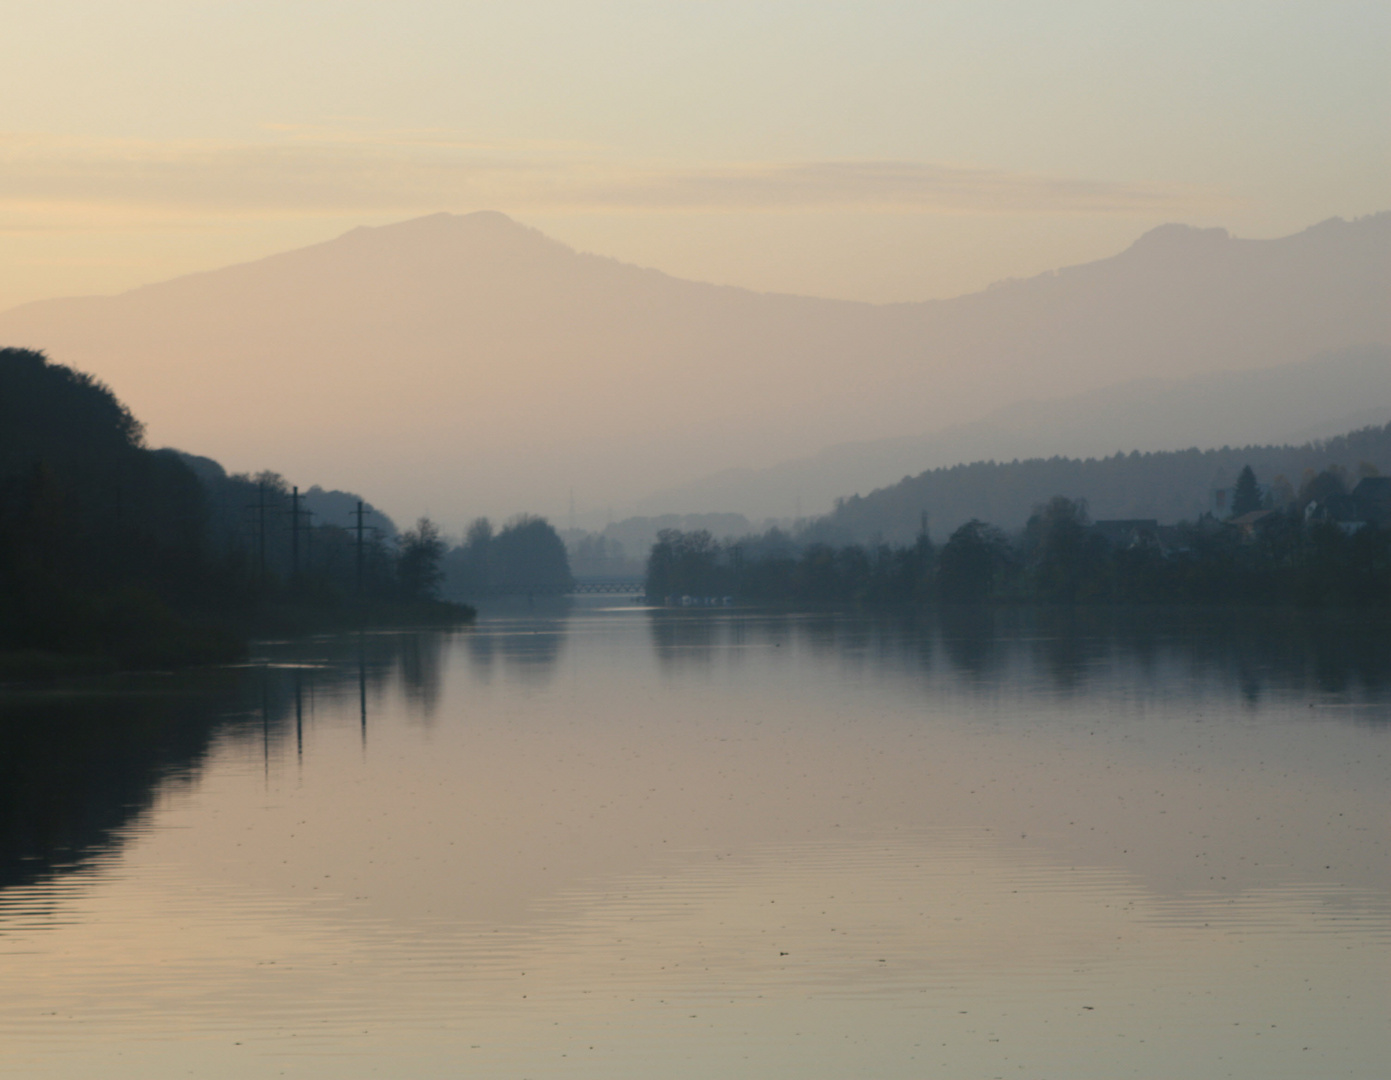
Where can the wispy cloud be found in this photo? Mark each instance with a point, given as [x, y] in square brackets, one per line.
[313, 170]
[881, 185]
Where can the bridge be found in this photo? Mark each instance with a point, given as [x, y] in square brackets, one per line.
[614, 586]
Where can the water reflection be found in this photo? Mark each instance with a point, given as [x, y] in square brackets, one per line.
[525, 649]
[78, 764]
[621, 843]
[1252, 652]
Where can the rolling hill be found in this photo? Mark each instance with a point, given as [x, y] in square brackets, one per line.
[1292, 404]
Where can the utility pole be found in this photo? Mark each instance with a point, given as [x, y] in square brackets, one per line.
[259, 508]
[294, 534]
[360, 512]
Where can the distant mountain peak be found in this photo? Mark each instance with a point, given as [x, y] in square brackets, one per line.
[482, 229]
[479, 222]
[1178, 237]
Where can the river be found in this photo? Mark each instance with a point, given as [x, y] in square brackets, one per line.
[606, 841]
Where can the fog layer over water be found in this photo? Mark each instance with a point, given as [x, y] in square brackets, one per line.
[614, 842]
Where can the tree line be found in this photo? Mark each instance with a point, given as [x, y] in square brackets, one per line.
[110, 549]
[525, 557]
[1168, 485]
[1057, 557]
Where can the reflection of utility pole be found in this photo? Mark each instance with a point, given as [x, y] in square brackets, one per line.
[299, 721]
[265, 725]
[362, 689]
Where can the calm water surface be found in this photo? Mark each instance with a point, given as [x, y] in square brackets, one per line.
[610, 842]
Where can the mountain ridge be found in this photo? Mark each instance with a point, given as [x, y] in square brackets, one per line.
[470, 364]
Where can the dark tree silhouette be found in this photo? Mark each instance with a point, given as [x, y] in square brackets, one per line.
[1247, 496]
[526, 556]
[418, 562]
[101, 540]
[970, 560]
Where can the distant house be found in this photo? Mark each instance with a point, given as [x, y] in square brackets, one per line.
[1256, 522]
[1368, 504]
[1125, 533]
[1339, 509]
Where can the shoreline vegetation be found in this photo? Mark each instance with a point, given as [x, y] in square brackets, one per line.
[117, 557]
[1300, 554]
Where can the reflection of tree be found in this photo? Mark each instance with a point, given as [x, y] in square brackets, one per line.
[1252, 651]
[76, 770]
[1070, 642]
[526, 649]
[825, 634]
[971, 639]
[684, 638]
[421, 667]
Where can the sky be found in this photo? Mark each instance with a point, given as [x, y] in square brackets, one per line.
[880, 151]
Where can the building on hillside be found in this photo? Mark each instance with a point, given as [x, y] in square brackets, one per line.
[1340, 509]
[1369, 504]
[1256, 523]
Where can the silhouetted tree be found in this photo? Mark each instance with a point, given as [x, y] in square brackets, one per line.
[530, 557]
[418, 562]
[684, 564]
[1247, 495]
[526, 556]
[101, 540]
[970, 560]
[1322, 486]
[1063, 557]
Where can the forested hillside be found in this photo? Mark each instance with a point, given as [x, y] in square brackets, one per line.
[1168, 486]
[131, 556]
[103, 546]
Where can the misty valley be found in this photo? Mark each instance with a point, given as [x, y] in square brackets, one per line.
[1048, 743]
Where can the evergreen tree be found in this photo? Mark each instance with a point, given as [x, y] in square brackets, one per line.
[1247, 496]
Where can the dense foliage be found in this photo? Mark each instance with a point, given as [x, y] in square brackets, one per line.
[1058, 557]
[1169, 486]
[102, 542]
[109, 549]
[525, 557]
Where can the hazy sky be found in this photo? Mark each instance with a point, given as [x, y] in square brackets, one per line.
[885, 151]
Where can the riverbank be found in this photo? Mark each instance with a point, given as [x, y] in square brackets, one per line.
[160, 640]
